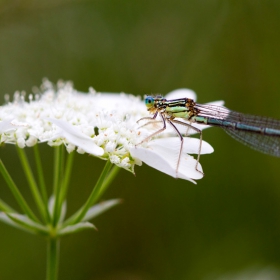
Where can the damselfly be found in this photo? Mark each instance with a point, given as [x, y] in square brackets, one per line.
[259, 133]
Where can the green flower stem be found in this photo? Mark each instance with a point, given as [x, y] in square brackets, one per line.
[32, 183]
[94, 196]
[41, 180]
[66, 178]
[19, 198]
[58, 171]
[52, 258]
[114, 171]
[40, 174]
[6, 208]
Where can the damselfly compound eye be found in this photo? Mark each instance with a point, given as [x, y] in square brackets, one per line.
[149, 102]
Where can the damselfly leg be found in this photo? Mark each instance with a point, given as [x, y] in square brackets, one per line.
[171, 121]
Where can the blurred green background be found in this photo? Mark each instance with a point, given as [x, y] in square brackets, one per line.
[166, 228]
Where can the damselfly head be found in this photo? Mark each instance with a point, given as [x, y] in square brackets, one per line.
[149, 102]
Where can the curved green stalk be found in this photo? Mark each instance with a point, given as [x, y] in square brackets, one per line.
[58, 175]
[32, 183]
[113, 172]
[42, 183]
[94, 196]
[66, 178]
[40, 174]
[15, 191]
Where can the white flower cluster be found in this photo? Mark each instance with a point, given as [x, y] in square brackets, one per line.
[101, 124]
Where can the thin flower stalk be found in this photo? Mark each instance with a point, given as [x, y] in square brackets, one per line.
[58, 179]
[41, 178]
[66, 178]
[94, 196]
[32, 183]
[15, 191]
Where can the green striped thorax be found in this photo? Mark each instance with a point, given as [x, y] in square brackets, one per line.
[176, 108]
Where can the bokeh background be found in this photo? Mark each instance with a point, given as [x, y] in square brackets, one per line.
[223, 227]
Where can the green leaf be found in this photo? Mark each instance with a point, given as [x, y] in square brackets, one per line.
[76, 228]
[100, 208]
[5, 219]
[24, 222]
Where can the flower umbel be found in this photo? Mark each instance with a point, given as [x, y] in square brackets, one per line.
[100, 124]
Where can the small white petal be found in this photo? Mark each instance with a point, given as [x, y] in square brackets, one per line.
[80, 151]
[115, 159]
[21, 142]
[31, 141]
[6, 126]
[181, 93]
[218, 102]
[76, 137]
[125, 163]
[110, 146]
[190, 145]
[166, 163]
[70, 148]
